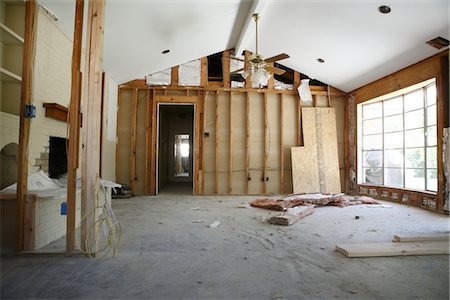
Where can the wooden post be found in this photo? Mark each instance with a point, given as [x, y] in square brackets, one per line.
[204, 71]
[248, 80]
[266, 141]
[271, 81]
[216, 183]
[298, 121]
[74, 127]
[247, 140]
[133, 128]
[226, 68]
[148, 139]
[282, 143]
[154, 151]
[202, 152]
[24, 133]
[230, 151]
[91, 118]
[174, 76]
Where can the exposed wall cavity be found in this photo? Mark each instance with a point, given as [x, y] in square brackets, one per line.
[446, 158]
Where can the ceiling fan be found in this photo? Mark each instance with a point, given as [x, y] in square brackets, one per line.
[258, 65]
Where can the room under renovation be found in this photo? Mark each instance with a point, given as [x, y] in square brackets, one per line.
[242, 149]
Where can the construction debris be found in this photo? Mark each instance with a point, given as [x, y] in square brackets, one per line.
[315, 199]
[214, 224]
[422, 238]
[292, 215]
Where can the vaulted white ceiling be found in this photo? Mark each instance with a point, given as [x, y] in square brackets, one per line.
[358, 44]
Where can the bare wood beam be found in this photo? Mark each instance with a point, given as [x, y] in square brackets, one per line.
[216, 178]
[204, 71]
[174, 76]
[148, 139]
[266, 141]
[24, 133]
[154, 151]
[226, 68]
[271, 81]
[247, 141]
[133, 128]
[203, 99]
[248, 80]
[298, 120]
[91, 123]
[74, 126]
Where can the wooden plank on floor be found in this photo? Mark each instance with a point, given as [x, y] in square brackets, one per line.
[292, 215]
[393, 249]
[434, 237]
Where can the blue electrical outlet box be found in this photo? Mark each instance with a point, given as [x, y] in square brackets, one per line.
[63, 208]
[30, 111]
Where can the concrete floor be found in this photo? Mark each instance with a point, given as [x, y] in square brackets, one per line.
[169, 252]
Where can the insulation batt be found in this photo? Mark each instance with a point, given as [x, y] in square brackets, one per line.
[316, 199]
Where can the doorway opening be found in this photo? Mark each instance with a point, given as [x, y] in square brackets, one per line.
[175, 149]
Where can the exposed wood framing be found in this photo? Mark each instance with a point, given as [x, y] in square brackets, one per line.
[154, 151]
[230, 151]
[148, 139]
[266, 142]
[271, 81]
[216, 178]
[176, 99]
[74, 126]
[173, 76]
[91, 123]
[226, 69]
[204, 71]
[247, 141]
[134, 104]
[299, 110]
[281, 144]
[248, 80]
[24, 133]
[202, 179]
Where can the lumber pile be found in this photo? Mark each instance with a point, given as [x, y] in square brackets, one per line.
[431, 244]
[292, 215]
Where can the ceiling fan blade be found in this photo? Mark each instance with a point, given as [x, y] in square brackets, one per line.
[275, 70]
[236, 71]
[235, 58]
[277, 57]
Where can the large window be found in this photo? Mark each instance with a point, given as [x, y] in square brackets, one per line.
[397, 145]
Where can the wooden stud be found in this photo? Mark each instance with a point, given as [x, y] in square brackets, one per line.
[118, 124]
[74, 127]
[203, 100]
[248, 80]
[247, 141]
[298, 119]
[24, 133]
[216, 183]
[441, 87]
[346, 145]
[174, 76]
[281, 143]
[148, 138]
[230, 150]
[91, 123]
[133, 127]
[266, 141]
[226, 69]
[154, 151]
[204, 71]
[197, 149]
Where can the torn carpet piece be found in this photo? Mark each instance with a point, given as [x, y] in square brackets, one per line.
[316, 199]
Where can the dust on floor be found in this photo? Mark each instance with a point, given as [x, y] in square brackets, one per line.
[168, 251]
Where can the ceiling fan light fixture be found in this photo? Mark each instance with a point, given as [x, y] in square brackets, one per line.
[245, 74]
[260, 77]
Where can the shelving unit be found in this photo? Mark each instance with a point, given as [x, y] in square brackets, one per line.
[11, 51]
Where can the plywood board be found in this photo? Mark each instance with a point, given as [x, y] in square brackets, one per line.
[315, 166]
[422, 238]
[393, 249]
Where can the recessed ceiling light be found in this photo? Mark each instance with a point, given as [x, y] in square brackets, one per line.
[165, 51]
[384, 9]
[321, 60]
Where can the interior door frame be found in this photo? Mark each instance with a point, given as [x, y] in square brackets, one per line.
[194, 143]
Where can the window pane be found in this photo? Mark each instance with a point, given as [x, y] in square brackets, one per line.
[372, 175]
[414, 138]
[393, 158]
[372, 126]
[372, 142]
[431, 136]
[372, 159]
[432, 157]
[393, 177]
[393, 140]
[371, 111]
[431, 115]
[394, 106]
[431, 94]
[393, 123]
[414, 100]
[414, 119]
[432, 180]
[415, 179]
[415, 158]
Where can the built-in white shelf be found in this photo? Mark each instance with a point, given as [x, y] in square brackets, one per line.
[7, 76]
[8, 36]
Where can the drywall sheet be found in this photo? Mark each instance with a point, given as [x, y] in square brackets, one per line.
[315, 167]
